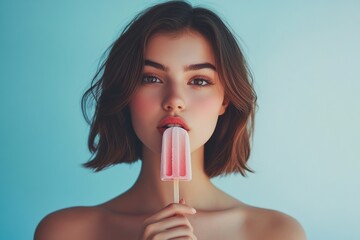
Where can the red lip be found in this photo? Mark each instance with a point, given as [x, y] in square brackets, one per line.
[171, 120]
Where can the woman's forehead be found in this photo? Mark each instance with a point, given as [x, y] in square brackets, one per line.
[185, 47]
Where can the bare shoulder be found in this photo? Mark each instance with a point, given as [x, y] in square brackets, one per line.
[270, 224]
[70, 223]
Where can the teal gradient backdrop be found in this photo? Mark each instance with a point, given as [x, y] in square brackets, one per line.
[305, 56]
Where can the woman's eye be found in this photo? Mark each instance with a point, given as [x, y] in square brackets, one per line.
[151, 79]
[200, 82]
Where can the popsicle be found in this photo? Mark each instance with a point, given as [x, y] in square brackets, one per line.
[175, 158]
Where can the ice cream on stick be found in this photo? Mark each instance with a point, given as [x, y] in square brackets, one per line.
[175, 158]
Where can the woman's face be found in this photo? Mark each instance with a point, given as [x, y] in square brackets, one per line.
[180, 85]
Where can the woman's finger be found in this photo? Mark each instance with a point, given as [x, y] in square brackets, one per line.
[175, 233]
[169, 211]
[168, 223]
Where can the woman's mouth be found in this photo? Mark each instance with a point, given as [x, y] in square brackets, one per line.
[171, 121]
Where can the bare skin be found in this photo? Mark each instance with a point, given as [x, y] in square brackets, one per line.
[132, 216]
[146, 210]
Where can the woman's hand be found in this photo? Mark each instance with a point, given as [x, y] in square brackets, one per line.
[169, 223]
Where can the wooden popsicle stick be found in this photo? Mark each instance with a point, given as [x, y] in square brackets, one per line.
[176, 190]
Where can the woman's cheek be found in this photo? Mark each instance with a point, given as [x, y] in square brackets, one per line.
[207, 104]
[142, 102]
[141, 109]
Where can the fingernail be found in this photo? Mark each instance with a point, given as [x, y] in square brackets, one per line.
[193, 210]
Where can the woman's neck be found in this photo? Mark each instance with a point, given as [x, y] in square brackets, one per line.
[156, 193]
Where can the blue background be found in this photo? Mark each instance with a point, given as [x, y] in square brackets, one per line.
[305, 57]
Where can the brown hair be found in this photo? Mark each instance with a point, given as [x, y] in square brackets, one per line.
[112, 139]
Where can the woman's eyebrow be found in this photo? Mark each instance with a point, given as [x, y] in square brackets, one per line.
[198, 66]
[155, 65]
[191, 67]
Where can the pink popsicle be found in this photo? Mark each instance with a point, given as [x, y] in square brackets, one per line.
[175, 158]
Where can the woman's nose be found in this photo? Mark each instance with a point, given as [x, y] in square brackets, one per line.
[174, 101]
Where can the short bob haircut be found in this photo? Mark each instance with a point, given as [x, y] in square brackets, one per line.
[112, 139]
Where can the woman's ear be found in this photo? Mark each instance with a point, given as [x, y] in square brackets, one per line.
[224, 106]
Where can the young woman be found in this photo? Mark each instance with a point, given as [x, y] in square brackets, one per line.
[172, 65]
